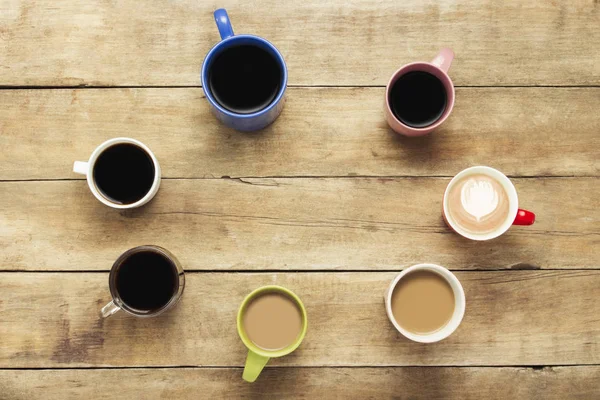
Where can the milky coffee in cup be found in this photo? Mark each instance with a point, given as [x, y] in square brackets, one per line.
[478, 204]
[423, 302]
[272, 321]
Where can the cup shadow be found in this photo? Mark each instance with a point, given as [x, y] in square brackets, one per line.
[417, 150]
[276, 381]
[437, 382]
[225, 131]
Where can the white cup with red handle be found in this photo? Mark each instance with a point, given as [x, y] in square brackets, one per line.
[515, 215]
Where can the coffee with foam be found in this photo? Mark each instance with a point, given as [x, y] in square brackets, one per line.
[478, 204]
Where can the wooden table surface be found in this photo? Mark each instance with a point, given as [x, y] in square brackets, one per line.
[327, 201]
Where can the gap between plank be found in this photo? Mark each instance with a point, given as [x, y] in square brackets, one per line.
[50, 87]
[301, 271]
[528, 366]
[240, 178]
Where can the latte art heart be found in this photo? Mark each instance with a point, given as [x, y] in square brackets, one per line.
[479, 198]
[478, 204]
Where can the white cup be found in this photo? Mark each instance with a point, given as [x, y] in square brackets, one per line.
[515, 215]
[87, 168]
[459, 304]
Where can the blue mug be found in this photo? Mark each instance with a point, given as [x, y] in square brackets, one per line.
[255, 120]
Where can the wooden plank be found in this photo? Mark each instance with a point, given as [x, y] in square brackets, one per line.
[322, 132]
[556, 383]
[293, 224]
[512, 318]
[340, 42]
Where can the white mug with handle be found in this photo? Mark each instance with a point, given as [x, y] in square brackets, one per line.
[87, 168]
[457, 314]
[486, 203]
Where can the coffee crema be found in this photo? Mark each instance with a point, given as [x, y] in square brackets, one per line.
[422, 302]
[478, 204]
[272, 321]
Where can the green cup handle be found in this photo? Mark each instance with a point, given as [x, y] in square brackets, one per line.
[254, 365]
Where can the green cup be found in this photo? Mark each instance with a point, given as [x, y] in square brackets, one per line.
[257, 357]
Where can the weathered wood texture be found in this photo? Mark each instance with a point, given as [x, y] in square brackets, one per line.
[293, 224]
[512, 318]
[314, 223]
[340, 42]
[555, 383]
[322, 132]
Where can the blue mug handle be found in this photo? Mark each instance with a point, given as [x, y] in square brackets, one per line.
[223, 23]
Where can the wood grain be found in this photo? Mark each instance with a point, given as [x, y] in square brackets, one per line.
[512, 318]
[340, 42]
[556, 383]
[322, 132]
[293, 224]
[291, 205]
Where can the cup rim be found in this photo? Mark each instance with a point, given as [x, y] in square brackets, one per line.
[138, 313]
[92, 162]
[226, 42]
[240, 327]
[443, 76]
[459, 304]
[511, 192]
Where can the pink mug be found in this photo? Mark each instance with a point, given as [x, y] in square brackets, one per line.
[438, 68]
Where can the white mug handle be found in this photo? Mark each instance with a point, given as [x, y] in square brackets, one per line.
[80, 167]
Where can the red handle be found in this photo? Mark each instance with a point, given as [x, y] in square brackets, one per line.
[524, 217]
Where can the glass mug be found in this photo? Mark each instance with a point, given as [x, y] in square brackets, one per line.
[145, 281]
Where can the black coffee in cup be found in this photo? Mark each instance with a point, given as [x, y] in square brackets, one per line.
[124, 173]
[244, 79]
[418, 99]
[146, 280]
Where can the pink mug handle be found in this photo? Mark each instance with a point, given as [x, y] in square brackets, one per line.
[444, 59]
[524, 217]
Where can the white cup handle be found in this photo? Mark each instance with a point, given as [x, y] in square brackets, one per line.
[80, 167]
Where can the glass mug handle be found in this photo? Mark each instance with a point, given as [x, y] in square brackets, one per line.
[109, 309]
